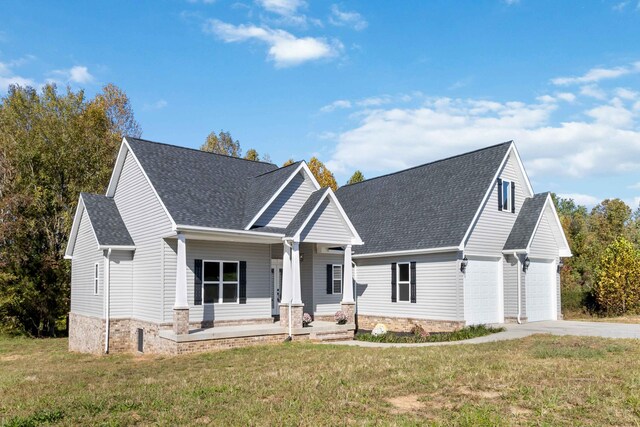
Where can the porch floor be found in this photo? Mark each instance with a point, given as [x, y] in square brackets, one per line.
[252, 330]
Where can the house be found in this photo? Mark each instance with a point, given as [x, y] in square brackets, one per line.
[189, 251]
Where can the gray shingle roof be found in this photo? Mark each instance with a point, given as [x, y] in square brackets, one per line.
[304, 212]
[428, 206]
[200, 188]
[106, 220]
[262, 187]
[525, 224]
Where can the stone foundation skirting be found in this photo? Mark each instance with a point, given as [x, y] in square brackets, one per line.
[296, 315]
[86, 334]
[405, 324]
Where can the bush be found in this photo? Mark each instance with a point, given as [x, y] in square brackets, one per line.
[306, 319]
[340, 317]
[617, 288]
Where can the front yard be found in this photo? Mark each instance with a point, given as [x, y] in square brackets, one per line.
[537, 380]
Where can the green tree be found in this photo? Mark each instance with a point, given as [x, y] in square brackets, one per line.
[53, 146]
[222, 143]
[356, 177]
[252, 154]
[617, 288]
[323, 175]
[288, 162]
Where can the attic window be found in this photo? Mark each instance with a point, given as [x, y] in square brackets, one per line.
[506, 196]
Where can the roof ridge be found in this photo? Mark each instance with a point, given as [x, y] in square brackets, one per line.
[278, 169]
[200, 151]
[430, 163]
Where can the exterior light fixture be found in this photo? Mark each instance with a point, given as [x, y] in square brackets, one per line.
[463, 264]
[525, 264]
[560, 265]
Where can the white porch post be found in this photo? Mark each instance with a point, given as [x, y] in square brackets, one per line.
[181, 306]
[295, 271]
[286, 274]
[348, 304]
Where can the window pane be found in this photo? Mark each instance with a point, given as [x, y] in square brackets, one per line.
[97, 270]
[230, 272]
[403, 291]
[210, 293]
[211, 272]
[337, 286]
[404, 272]
[505, 195]
[337, 272]
[229, 292]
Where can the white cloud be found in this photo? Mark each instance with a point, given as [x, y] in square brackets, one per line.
[625, 93]
[344, 18]
[582, 199]
[76, 74]
[8, 76]
[597, 74]
[158, 105]
[511, 2]
[384, 140]
[282, 7]
[566, 96]
[593, 91]
[285, 49]
[339, 104]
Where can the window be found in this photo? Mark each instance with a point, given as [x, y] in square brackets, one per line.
[404, 282]
[506, 196]
[220, 281]
[96, 278]
[337, 278]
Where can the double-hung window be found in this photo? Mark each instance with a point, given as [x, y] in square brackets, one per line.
[220, 281]
[96, 278]
[337, 278]
[404, 282]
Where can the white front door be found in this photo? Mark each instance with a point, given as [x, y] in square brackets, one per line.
[541, 291]
[482, 289]
[276, 285]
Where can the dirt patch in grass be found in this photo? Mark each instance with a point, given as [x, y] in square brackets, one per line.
[407, 403]
[586, 317]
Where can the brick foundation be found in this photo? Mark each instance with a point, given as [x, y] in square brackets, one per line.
[86, 334]
[350, 310]
[297, 310]
[404, 324]
[181, 321]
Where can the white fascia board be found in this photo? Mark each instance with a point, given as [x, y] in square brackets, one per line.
[522, 169]
[512, 251]
[226, 231]
[118, 247]
[356, 237]
[68, 253]
[408, 252]
[302, 166]
[117, 171]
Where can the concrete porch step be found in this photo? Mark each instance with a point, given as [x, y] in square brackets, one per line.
[331, 335]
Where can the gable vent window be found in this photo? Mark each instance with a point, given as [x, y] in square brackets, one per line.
[506, 195]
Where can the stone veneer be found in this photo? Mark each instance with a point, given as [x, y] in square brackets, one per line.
[181, 321]
[86, 334]
[405, 324]
[297, 311]
[349, 309]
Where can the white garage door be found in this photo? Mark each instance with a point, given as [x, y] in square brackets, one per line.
[482, 301]
[540, 291]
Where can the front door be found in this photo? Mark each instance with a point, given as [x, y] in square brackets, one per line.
[276, 285]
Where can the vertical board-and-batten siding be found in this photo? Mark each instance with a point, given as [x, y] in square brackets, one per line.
[288, 203]
[146, 221]
[258, 260]
[438, 287]
[326, 225]
[85, 255]
[121, 284]
[492, 228]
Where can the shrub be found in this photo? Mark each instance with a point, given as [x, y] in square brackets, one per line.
[461, 334]
[617, 288]
[340, 317]
[306, 319]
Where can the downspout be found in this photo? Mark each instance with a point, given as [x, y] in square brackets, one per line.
[107, 292]
[515, 254]
[354, 283]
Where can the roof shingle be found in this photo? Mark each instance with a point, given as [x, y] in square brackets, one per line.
[525, 224]
[106, 220]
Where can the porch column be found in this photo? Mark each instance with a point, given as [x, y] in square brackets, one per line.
[348, 304]
[291, 286]
[295, 270]
[286, 274]
[181, 305]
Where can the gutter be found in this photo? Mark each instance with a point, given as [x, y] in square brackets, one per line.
[107, 292]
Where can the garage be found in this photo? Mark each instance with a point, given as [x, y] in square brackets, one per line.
[483, 292]
[540, 285]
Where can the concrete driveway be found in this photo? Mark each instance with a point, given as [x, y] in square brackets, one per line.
[515, 331]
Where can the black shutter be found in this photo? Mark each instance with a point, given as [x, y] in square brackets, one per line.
[499, 194]
[413, 281]
[393, 282]
[513, 197]
[197, 282]
[329, 279]
[243, 283]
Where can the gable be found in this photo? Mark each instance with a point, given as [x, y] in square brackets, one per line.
[287, 204]
[492, 228]
[326, 226]
[547, 241]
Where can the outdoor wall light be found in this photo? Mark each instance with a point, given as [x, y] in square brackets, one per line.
[463, 264]
[525, 264]
[560, 265]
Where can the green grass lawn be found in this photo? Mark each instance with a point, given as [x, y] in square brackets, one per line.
[540, 380]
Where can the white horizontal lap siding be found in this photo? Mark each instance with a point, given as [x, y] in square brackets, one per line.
[492, 228]
[306, 275]
[257, 257]
[326, 225]
[121, 284]
[438, 287]
[324, 303]
[288, 203]
[85, 255]
[146, 221]
[544, 244]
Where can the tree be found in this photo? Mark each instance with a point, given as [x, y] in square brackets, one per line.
[288, 162]
[222, 143]
[52, 146]
[356, 177]
[323, 175]
[617, 288]
[252, 154]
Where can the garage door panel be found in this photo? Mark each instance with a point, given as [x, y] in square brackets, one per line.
[541, 291]
[482, 292]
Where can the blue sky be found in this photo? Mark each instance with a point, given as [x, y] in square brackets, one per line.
[370, 85]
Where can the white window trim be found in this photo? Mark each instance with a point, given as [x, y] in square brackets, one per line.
[96, 278]
[221, 282]
[402, 282]
[509, 196]
[333, 278]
